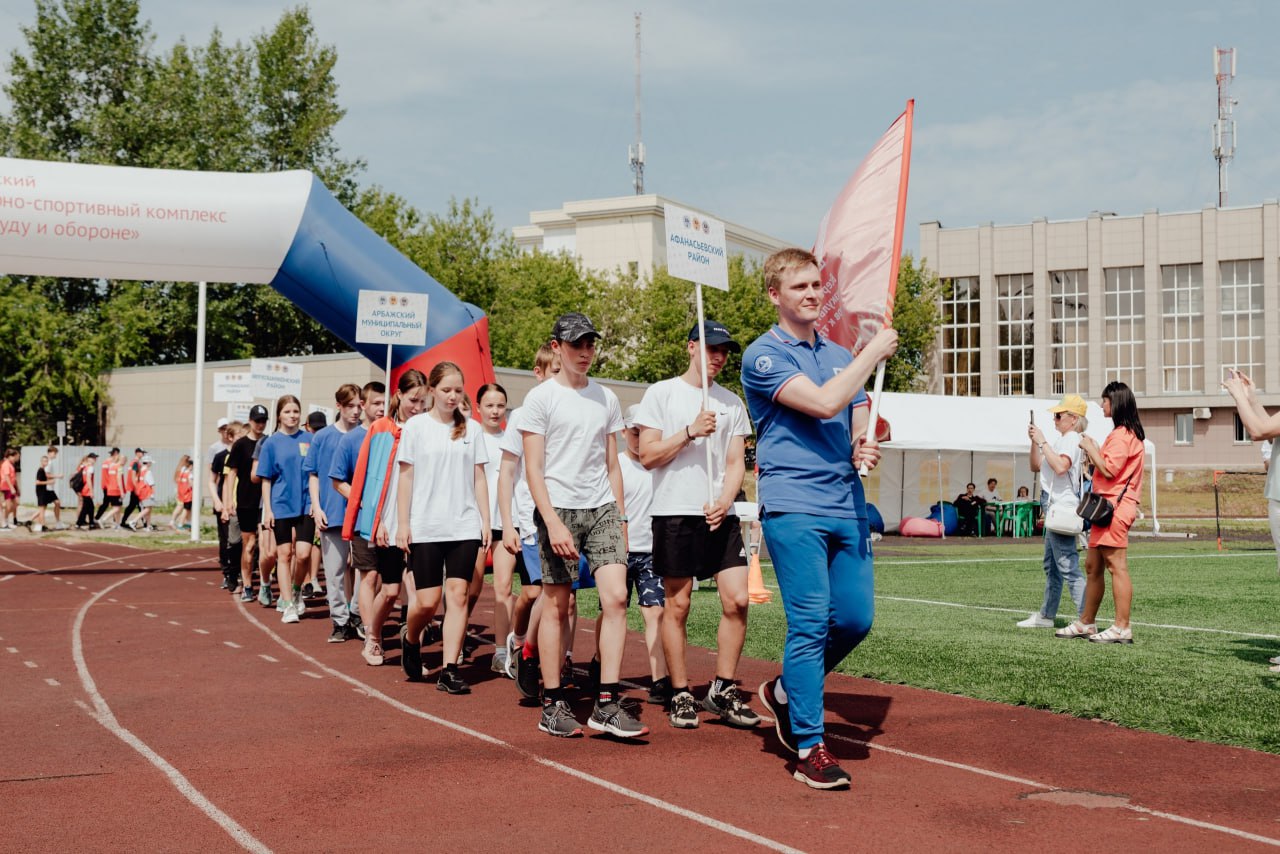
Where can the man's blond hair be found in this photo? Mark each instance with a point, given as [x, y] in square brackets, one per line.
[784, 261]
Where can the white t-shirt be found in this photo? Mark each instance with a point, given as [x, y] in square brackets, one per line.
[637, 494]
[990, 495]
[1062, 487]
[444, 506]
[576, 423]
[521, 499]
[680, 487]
[493, 449]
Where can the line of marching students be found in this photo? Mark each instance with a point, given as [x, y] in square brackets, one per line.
[410, 499]
[118, 479]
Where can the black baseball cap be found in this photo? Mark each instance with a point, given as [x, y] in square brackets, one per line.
[93, 454]
[257, 412]
[717, 334]
[573, 327]
[317, 422]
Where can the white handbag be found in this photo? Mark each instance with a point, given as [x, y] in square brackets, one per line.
[1062, 518]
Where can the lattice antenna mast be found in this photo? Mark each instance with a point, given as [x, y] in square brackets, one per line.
[635, 152]
[1224, 129]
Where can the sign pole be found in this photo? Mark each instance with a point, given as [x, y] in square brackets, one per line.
[706, 393]
[388, 369]
[199, 415]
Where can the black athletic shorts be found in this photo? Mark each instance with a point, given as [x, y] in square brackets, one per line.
[249, 518]
[684, 547]
[114, 501]
[363, 558]
[390, 563]
[433, 562]
[45, 497]
[303, 526]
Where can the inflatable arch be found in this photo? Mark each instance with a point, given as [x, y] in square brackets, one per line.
[284, 229]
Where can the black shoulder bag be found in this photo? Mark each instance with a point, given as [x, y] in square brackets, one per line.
[1097, 510]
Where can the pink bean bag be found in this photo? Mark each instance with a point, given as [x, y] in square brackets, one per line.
[914, 526]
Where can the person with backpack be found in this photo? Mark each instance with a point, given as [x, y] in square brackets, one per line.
[82, 484]
[131, 488]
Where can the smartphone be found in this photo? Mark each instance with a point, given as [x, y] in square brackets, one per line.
[1032, 416]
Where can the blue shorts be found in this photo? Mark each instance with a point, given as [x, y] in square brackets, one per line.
[642, 578]
[530, 562]
[585, 578]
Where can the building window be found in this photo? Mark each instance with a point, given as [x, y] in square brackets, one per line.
[1182, 313]
[1242, 436]
[1241, 317]
[1015, 356]
[1184, 428]
[1069, 331]
[1125, 300]
[961, 313]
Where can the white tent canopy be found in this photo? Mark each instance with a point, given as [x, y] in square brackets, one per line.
[940, 443]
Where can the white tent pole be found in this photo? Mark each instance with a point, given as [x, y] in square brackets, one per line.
[706, 395]
[196, 466]
[942, 510]
[1155, 517]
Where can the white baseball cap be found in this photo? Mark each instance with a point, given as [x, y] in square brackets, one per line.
[223, 422]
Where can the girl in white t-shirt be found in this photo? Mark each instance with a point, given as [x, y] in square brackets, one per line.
[443, 509]
[491, 402]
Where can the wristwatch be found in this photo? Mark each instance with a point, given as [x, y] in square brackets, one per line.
[623, 518]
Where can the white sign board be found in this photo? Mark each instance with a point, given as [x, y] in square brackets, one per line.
[238, 410]
[391, 317]
[231, 388]
[271, 379]
[695, 248]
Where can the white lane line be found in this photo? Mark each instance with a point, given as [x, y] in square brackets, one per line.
[148, 614]
[657, 803]
[132, 607]
[56, 578]
[200, 631]
[210, 583]
[52, 683]
[101, 712]
[884, 562]
[6, 578]
[111, 600]
[19, 563]
[232, 644]
[309, 673]
[1135, 622]
[12, 649]
[31, 664]
[81, 587]
[1020, 781]
[266, 657]
[174, 623]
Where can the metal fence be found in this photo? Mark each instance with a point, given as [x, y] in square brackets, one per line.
[166, 462]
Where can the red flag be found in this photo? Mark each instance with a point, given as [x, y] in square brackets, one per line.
[860, 241]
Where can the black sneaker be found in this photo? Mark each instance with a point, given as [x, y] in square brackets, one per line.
[470, 643]
[558, 720]
[684, 710]
[432, 634]
[350, 632]
[731, 707]
[451, 683]
[528, 676]
[660, 692]
[592, 681]
[224, 585]
[410, 656]
[821, 771]
[614, 718]
[357, 625]
[308, 590]
[781, 715]
[339, 634]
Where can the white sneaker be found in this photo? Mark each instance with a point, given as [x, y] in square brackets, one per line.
[35, 529]
[281, 603]
[1275, 660]
[299, 605]
[1036, 621]
[290, 614]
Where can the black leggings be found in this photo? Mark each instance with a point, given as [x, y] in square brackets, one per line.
[86, 511]
[134, 504]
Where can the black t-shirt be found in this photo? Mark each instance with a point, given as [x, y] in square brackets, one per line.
[240, 458]
[42, 489]
[218, 467]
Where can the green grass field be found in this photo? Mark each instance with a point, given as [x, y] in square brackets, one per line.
[1203, 685]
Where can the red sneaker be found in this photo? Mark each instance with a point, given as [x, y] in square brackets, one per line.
[821, 771]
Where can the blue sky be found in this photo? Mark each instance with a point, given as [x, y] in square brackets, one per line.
[758, 112]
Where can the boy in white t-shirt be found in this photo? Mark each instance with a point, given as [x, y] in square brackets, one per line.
[1059, 466]
[695, 530]
[637, 490]
[570, 426]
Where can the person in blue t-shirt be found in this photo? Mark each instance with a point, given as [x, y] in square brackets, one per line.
[286, 503]
[329, 507]
[806, 397]
[342, 467]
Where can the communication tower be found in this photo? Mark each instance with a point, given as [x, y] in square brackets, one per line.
[1224, 129]
[635, 152]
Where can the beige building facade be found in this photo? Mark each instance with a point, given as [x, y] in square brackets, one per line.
[627, 234]
[1163, 302]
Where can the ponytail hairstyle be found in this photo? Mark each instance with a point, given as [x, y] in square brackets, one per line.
[488, 387]
[438, 373]
[409, 380]
[1124, 408]
[285, 400]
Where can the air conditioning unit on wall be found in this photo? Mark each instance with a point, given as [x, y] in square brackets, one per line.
[1201, 413]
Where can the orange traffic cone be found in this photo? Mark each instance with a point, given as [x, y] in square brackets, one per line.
[756, 591]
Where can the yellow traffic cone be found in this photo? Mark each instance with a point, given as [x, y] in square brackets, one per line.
[756, 591]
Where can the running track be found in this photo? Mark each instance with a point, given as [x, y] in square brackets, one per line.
[142, 709]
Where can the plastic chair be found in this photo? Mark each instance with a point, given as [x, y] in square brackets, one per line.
[1024, 519]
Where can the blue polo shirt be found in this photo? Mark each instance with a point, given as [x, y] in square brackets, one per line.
[342, 467]
[281, 462]
[805, 462]
[324, 447]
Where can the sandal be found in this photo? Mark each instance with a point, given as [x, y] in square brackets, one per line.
[1076, 629]
[1113, 634]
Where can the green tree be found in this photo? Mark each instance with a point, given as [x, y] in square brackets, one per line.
[916, 315]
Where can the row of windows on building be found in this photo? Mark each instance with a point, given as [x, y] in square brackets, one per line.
[1124, 314]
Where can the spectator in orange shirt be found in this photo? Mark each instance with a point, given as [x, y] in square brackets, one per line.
[112, 489]
[9, 488]
[84, 522]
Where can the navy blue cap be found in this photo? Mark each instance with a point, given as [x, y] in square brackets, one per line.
[717, 335]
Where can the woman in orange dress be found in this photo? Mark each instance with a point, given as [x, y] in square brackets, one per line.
[1117, 476]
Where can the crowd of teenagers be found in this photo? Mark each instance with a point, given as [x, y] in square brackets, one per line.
[406, 499]
[116, 479]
